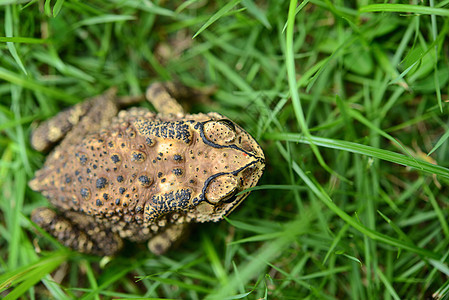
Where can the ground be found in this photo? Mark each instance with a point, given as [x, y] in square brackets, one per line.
[348, 99]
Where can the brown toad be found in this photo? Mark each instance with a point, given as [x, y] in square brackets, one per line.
[139, 175]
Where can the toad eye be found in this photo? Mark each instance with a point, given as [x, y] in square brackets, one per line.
[220, 131]
[222, 189]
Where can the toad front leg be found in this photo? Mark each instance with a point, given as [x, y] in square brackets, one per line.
[161, 242]
[165, 95]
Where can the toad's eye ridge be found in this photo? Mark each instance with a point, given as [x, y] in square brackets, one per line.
[220, 131]
[228, 123]
[222, 188]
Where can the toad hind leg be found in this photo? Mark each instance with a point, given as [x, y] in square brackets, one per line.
[78, 232]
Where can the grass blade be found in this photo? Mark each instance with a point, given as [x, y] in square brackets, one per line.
[9, 33]
[26, 40]
[364, 150]
[103, 19]
[405, 8]
[220, 13]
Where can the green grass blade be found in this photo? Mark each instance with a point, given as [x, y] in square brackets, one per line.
[256, 263]
[26, 276]
[290, 62]
[370, 233]
[220, 13]
[25, 40]
[442, 292]
[103, 19]
[256, 12]
[405, 8]
[441, 215]
[217, 266]
[440, 142]
[181, 284]
[57, 8]
[388, 284]
[359, 117]
[9, 33]
[364, 150]
[30, 84]
[47, 8]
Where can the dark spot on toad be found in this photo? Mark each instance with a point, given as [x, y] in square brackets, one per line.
[101, 183]
[115, 158]
[120, 178]
[177, 172]
[83, 159]
[137, 156]
[85, 193]
[149, 141]
[144, 180]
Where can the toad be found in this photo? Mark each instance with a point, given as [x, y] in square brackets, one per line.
[138, 175]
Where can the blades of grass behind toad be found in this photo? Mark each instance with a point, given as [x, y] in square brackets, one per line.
[364, 150]
[26, 40]
[256, 12]
[103, 19]
[405, 8]
[215, 262]
[53, 12]
[57, 8]
[324, 197]
[255, 264]
[25, 277]
[220, 13]
[435, 73]
[33, 85]
[9, 33]
[13, 219]
[291, 76]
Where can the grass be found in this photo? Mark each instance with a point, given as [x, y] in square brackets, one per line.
[347, 98]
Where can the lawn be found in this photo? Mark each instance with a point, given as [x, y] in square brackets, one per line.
[348, 99]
